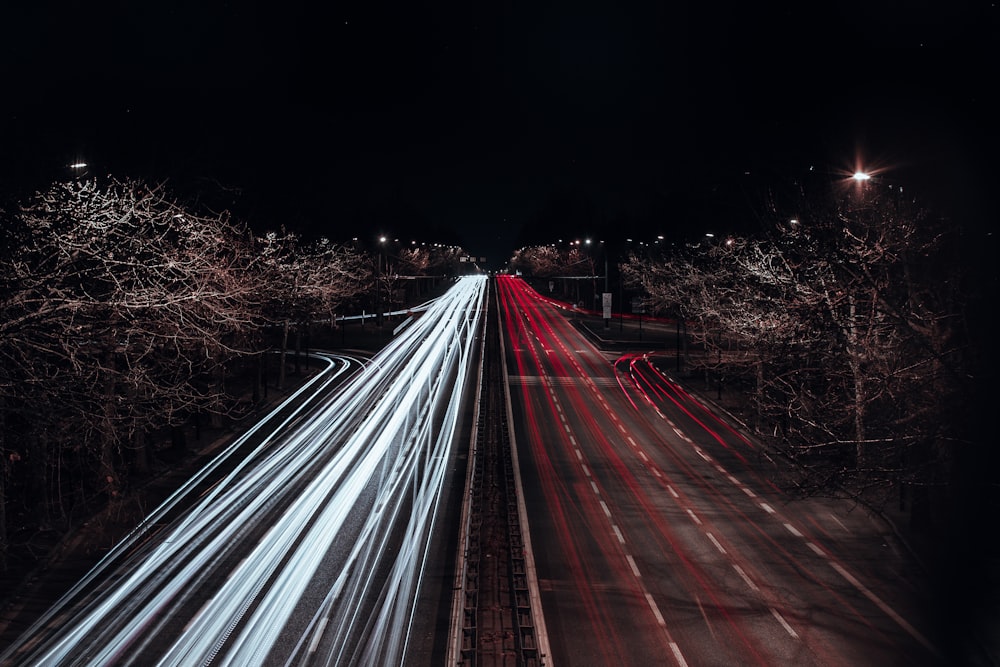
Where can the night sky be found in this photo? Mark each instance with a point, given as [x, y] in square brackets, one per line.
[498, 124]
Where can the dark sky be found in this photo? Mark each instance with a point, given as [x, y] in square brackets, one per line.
[498, 123]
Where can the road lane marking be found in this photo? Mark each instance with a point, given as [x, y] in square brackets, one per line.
[656, 612]
[815, 548]
[635, 568]
[767, 508]
[604, 506]
[314, 644]
[839, 522]
[739, 571]
[677, 654]
[716, 543]
[618, 533]
[784, 623]
[793, 530]
[889, 611]
[696, 519]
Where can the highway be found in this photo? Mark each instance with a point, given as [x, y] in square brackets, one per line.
[308, 538]
[658, 535]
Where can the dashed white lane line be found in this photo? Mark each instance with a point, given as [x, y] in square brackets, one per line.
[604, 506]
[635, 568]
[797, 533]
[716, 543]
[593, 485]
[839, 522]
[677, 654]
[694, 517]
[784, 623]
[618, 533]
[586, 470]
[749, 582]
[889, 611]
[314, 644]
[656, 611]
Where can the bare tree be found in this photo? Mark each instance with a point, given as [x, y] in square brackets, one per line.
[299, 283]
[850, 321]
[118, 302]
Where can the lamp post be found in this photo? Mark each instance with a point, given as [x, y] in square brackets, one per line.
[378, 281]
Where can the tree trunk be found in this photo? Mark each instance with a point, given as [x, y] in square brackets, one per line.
[37, 485]
[107, 472]
[281, 357]
[140, 463]
[215, 416]
[258, 376]
[854, 361]
[298, 349]
[3, 490]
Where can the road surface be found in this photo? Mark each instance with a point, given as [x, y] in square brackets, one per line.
[659, 537]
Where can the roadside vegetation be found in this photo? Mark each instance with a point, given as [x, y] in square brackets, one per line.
[130, 321]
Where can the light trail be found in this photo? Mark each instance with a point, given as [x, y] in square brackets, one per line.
[645, 493]
[311, 550]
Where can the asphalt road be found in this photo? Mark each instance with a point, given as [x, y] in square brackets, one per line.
[659, 536]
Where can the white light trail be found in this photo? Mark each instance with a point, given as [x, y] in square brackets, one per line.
[317, 539]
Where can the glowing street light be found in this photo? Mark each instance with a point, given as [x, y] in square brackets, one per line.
[861, 176]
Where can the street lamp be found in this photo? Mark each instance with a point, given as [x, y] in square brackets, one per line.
[378, 280]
